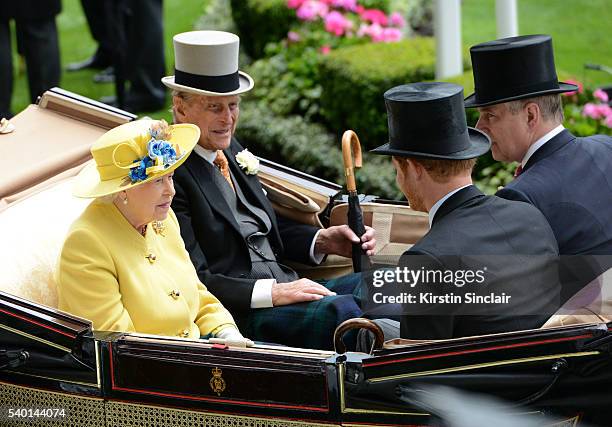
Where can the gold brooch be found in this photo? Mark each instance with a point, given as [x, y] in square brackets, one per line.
[217, 383]
[159, 227]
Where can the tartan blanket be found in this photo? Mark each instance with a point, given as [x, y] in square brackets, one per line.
[309, 324]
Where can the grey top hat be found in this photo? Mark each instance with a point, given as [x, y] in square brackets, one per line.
[206, 63]
[514, 68]
[427, 120]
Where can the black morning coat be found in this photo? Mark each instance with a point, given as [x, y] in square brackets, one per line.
[516, 244]
[212, 236]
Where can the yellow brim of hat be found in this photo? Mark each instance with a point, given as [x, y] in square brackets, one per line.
[89, 185]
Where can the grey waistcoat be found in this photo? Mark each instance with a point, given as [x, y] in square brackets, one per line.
[255, 226]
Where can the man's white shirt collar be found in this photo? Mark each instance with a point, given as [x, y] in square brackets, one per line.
[536, 145]
[208, 155]
[436, 206]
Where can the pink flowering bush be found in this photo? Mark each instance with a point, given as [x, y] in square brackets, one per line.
[587, 112]
[333, 23]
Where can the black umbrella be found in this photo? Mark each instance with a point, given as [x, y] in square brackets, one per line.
[350, 144]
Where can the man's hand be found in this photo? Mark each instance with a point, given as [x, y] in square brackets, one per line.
[302, 290]
[337, 240]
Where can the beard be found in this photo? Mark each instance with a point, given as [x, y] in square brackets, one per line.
[416, 203]
[415, 200]
[403, 182]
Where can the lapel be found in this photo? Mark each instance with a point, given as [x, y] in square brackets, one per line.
[202, 171]
[550, 147]
[456, 201]
[248, 183]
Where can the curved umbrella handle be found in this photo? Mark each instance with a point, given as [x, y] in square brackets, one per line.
[350, 144]
[358, 323]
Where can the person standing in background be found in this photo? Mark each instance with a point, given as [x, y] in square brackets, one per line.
[37, 36]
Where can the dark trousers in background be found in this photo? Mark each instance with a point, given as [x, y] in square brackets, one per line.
[139, 55]
[38, 41]
[97, 13]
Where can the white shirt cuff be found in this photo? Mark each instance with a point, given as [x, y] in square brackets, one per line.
[262, 293]
[316, 257]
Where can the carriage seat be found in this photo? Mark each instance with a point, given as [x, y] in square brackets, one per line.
[33, 231]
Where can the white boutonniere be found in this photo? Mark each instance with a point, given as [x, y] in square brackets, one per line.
[248, 162]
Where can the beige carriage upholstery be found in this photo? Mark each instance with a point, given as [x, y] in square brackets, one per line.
[593, 304]
[49, 145]
[33, 231]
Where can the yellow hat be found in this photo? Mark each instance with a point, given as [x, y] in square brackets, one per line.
[133, 154]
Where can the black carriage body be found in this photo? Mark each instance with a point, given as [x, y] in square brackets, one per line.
[112, 378]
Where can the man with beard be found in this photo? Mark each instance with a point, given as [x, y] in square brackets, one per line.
[433, 153]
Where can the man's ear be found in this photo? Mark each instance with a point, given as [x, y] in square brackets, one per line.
[417, 168]
[179, 109]
[533, 114]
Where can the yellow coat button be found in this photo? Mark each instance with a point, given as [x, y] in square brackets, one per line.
[184, 333]
[151, 258]
[175, 293]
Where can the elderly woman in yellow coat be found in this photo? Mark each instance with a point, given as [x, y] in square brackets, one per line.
[124, 265]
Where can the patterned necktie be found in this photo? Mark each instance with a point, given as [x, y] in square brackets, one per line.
[517, 171]
[221, 163]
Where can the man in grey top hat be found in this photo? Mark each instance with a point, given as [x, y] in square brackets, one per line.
[235, 239]
[510, 242]
[568, 179]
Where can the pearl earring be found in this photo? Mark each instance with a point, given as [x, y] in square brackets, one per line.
[125, 201]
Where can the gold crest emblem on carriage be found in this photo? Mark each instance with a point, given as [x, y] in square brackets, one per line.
[217, 383]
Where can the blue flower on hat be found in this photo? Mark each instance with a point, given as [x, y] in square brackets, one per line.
[139, 173]
[168, 153]
[154, 148]
[160, 154]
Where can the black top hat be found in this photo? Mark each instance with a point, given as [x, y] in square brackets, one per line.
[428, 120]
[514, 68]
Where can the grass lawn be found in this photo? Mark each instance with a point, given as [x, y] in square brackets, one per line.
[580, 31]
[76, 44]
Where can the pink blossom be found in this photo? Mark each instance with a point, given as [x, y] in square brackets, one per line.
[374, 31]
[294, 4]
[325, 49]
[590, 110]
[293, 37]
[374, 16]
[601, 95]
[310, 10]
[397, 20]
[345, 4]
[359, 9]
[574, 82]
[608, 121]
[392, 35]
[596, 111]
[336, 23]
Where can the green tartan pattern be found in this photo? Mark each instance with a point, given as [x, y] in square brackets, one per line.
[309, 324]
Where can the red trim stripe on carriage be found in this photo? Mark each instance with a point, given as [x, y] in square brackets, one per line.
[38, 323]
[475, 350]
[206, 399]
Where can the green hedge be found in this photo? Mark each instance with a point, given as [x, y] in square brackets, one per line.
[355, 78]
[309, 147]
[383, 5]
[260, 22]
